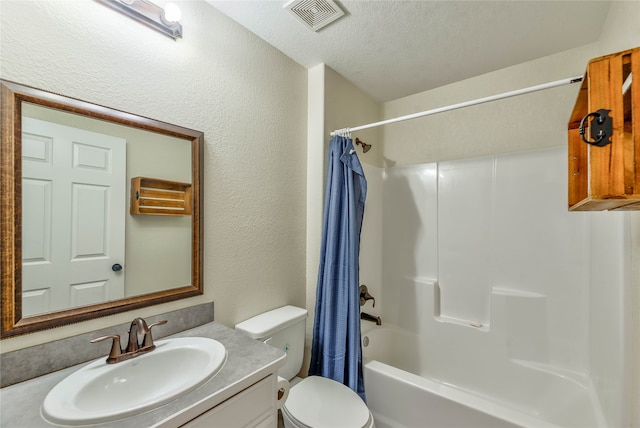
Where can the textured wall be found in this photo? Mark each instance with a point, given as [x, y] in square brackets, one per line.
[525, 122]
[247, 98]
[347, 106]
[333, 103]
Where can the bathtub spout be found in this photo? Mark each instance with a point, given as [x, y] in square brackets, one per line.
[365, 316]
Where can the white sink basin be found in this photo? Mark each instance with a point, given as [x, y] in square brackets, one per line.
[101, 392]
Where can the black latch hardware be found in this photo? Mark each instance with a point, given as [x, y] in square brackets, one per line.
[601, 128]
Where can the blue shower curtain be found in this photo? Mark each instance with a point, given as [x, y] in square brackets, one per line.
[336, 351]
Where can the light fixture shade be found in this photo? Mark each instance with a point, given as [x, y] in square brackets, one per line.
[172, 13]
[148, 13]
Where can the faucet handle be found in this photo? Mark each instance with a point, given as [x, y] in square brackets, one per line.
[364, 296]
[116, 351]
[148, 339]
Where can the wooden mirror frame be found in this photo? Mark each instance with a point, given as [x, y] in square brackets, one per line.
[11, 98]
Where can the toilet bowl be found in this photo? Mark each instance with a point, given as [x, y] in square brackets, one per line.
[317, 402]
[313, 402]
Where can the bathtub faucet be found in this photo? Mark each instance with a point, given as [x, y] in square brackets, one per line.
[364, 296]
[365, 316]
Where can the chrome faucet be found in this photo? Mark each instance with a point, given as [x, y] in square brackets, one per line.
[140, 341]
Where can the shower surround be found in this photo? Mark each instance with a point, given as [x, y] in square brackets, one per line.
[507, 294]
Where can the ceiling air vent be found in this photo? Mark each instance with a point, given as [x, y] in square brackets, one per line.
[315, 14]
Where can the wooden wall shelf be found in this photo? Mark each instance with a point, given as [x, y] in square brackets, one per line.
[607, 177]
[154, 196]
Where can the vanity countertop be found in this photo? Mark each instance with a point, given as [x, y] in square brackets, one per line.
[248, 361]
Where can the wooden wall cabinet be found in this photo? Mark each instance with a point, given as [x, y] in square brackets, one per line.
[607, 177]
[160, 197]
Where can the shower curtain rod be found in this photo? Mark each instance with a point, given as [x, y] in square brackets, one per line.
[461, 105]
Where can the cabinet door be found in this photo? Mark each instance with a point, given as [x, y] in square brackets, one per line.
[255, 407]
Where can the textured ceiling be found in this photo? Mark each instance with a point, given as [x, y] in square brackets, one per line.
[390, 49]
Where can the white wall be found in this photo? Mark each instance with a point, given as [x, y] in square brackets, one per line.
[621, 31]
[609, 314]
[481, 223]
[495, 234]
[371, 239]
[248, 99]
[530, 122]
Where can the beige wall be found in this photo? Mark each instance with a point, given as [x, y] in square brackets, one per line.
[248, 99]
[334, 103]
[525, 122]
[347, 106]
[157, 248]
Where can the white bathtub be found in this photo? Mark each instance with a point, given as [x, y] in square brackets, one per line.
[401, 392]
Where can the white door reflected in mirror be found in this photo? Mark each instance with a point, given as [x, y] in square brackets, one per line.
[162, 259]
[74, 187]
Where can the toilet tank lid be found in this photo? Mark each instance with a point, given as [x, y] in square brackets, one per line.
[264, 325]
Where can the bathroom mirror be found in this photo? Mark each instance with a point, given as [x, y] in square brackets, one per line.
[100, 210]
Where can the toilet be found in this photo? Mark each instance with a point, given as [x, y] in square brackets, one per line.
[313, 402]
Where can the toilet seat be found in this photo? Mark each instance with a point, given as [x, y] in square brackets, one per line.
[320, 402]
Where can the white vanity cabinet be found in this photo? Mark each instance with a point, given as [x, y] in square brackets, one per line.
[253, 407]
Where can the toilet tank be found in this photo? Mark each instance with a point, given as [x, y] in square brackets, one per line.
[283, 328]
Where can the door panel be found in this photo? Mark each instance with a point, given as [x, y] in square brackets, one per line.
[89, 221]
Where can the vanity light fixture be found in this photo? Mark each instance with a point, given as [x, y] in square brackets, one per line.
[164, 20]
